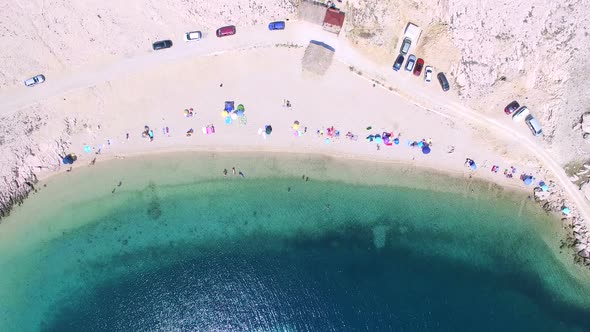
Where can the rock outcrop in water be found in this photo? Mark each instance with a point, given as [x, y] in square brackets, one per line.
[578, 238]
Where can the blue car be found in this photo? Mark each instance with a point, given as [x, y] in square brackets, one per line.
[398, 62]
[278, 25]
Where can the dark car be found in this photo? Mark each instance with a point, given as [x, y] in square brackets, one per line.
[226, 31]
[398, 62]
[162, 44]
[405, 46]
[444, 83]
[418, 67]
[512, 107]
[278, 25]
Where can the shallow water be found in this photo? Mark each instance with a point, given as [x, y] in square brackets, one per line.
[179, 247]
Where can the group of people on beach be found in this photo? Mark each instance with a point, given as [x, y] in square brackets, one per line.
[328, 134]
[234, 172]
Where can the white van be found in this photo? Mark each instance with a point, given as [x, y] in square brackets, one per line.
[534, 125]
[521, 114]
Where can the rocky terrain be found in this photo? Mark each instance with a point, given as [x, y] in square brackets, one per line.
[24, 156]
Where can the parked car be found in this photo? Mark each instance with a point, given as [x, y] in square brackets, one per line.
[410, 63]
[162, 44]
[428, 74]
[226, 31]
[444, 83]
[418, 67]
[35, 80]
[521, 114]
[405, 46]
[193, 35]
[398, 62]
[511, 108]
[278, 25]
[534, 125]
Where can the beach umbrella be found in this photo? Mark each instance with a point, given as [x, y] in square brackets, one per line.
[473, 165]
[229, 106]
[420, 144]
[378, 139]
[426, 149]
[396, 141]
[565, 210]
[543, 186]
[234, 116]
[240, 113]
[241, 107]
[224, 114]
[228, 120]
[528, 180]
[296, 125]
[268, 129]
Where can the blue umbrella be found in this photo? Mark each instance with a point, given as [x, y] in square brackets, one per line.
[228, 120]
[420, 144]
[543, 186]
[528, 180]
[473, 165]
[240, 112]
[396, 141]
[426, 149]
[378, 139]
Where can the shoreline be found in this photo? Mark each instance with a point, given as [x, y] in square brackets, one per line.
[454, 138]
[57, 233]
[574, 240]
[44, 176]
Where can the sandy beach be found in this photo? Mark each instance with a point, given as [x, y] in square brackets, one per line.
[97, 109]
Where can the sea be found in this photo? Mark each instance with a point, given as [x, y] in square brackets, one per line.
[299, 243]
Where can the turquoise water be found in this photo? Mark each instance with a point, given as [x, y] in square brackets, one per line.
[179, 247]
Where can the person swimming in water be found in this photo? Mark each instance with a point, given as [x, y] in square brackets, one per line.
[224, 172]
[241, 174]
[233, 170]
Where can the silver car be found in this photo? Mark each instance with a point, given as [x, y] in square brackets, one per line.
[534, 125]
[405, 46]
[411, 62]
[35, 80]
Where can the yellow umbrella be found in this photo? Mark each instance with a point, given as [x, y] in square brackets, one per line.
[224, 114]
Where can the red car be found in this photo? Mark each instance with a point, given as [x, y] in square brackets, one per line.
[226, 31]
[513, 106]
[418, 67]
